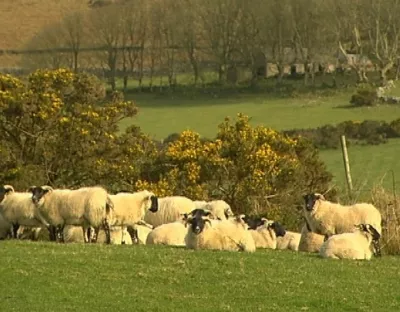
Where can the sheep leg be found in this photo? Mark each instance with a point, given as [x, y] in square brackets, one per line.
[377, 248]
[52, 233]
[106, 227]
[15, 228]
[134, 234]
[86, 234]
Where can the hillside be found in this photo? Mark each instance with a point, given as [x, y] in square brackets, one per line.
[21, 20]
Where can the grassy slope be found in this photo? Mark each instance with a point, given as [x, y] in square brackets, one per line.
[21, 20]
[161, 116]
[144, 278]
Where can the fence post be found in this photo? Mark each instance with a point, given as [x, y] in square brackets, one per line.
[346, 164]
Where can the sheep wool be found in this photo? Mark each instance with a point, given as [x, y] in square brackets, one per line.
[290, 240]
[218, 235]
[355, 245]
[170, 209]
[172, 234]
[327, 218]
[309, 241]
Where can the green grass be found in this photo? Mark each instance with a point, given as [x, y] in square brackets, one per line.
[56, 277]
[160, 116]
[369, 165]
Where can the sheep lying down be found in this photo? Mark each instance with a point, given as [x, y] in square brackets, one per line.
[205, 233]
[355, 245]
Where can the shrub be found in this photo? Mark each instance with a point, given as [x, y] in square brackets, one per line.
[366, 96]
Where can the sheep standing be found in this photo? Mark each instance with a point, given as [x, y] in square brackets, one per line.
[265, 235]
[170, 209]
[327, 218]
[85, 207]
[217, 235]
[129, 209]
[290, 240]
[17, 209]
[309, 241]
[355, 245]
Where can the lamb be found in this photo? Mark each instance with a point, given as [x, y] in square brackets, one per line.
[170, 210]
[129, 209]
[327, 218]
[265, 235]
[87, 206]
[18, 209]
[290, 240]
[172, 234]
[309, 241]
[217, 235]
[355, 245]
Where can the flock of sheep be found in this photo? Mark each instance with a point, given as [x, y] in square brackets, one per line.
[90, 214]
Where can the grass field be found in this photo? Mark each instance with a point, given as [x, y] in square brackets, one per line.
[55, 277]
[160, 116]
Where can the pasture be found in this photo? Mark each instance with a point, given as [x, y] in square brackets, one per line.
[75, 277]
[161, 115]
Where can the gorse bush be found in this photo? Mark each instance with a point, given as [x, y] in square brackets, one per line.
[59, 128]
[365, 96]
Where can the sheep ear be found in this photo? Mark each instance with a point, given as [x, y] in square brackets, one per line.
[30, 189]
[8, 189]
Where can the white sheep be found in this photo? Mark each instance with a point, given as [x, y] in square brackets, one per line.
[85, 207]
[265, 235]
[18, 209]
[220, 209]
[142, 232]
[218, 235]
[355, 245]
[309, 241]
[198, 204]
[129, 209]
[118, 236]
[290, 240]
[327, 218]
[172, 234]
[170, 209]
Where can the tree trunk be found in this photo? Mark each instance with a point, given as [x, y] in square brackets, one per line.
[383, 73]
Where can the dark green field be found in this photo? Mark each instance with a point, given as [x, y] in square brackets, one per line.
[56, 277]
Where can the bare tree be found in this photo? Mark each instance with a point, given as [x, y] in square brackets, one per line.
[74, 25]
[383, 25]
[105, 31]
[312, 39]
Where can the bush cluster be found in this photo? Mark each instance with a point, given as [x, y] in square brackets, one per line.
[61, 129]
[367, 132]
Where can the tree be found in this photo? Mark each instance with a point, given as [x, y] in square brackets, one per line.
[74, 25]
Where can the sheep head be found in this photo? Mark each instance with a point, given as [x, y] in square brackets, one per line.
[38, 192]
[310, 200]
[5, 190]
[151, 201]
[253, 222]
[198, 219]
[368, 228]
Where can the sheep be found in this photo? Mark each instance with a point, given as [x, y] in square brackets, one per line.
[142, 233]
[86, 206]
[31, 233]
[172, 234]
[265, 235]
[355, 245]
[327, 218]
[309, 241]
[199, 203]
[18, 209]
[170, 210]
[219, 208]
[129, 210]
[290, 240]
[5, 228]
[217, 235]
[118, 236]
